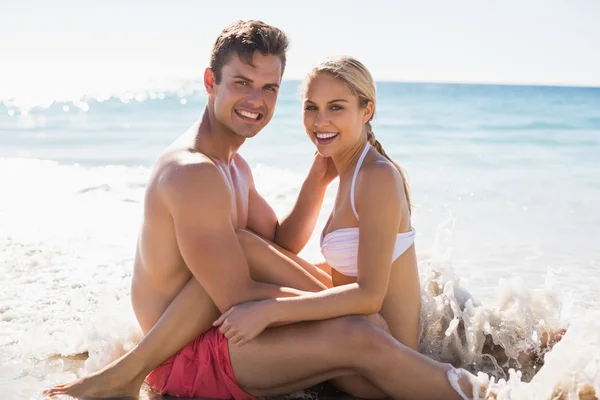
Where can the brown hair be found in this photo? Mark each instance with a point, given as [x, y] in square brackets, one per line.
[359, 81]
[244, 38]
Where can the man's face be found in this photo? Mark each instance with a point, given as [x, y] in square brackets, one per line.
[244, 99]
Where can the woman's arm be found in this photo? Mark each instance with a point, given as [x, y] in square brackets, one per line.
[294, 230]
[380, 201]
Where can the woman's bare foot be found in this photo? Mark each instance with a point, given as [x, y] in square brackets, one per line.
[469, 386]
[109, 382]
[534, 358]
[529, 361]
[587, 392]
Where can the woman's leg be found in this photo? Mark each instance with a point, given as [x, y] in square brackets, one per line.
[401, 306]
[273, 264]
[328, 349]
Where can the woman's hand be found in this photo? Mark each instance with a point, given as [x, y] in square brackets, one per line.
[323, 169]
[243, 322]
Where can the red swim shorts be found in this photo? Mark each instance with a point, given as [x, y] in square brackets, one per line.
[201, 369]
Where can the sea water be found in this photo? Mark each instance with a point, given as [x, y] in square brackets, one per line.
[505, 182]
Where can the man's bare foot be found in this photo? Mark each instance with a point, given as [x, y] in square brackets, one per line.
[109, 382]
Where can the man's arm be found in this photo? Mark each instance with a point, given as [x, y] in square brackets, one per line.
[294, 230]
[200, 203]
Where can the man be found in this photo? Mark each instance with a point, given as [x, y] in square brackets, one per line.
[190, 267]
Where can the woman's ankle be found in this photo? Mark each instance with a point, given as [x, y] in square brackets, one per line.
[464, 383]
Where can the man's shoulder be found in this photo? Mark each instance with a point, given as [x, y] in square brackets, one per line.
[184, 172]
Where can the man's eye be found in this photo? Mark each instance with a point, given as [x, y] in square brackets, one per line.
[244, 83]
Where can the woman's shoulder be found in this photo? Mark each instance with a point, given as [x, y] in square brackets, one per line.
[379, 170]
[379, 187]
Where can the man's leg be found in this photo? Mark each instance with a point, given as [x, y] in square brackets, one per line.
[186, 323]
[179, 325]
[285, 359]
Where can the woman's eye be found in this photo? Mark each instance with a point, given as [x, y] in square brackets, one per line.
[336, 108]
[310, 108]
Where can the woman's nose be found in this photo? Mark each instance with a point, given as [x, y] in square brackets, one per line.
[321, 119]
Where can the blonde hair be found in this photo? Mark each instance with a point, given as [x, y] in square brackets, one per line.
[359, 81]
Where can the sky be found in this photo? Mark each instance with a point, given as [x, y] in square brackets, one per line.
[64, 44]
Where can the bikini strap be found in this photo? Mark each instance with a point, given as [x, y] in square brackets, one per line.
[358, 165]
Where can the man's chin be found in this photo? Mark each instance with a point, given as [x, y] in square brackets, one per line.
[246, 134]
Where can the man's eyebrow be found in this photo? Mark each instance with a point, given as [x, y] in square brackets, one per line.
[243, 77]
[251, 81]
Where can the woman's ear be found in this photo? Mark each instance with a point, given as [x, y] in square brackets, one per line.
[368, 111]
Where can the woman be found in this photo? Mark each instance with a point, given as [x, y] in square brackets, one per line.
[368, 240]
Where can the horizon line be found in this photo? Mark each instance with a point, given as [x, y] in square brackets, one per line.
[479, 83]
[440, 82]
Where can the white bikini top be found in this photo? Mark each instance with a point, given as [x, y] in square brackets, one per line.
[340, 247]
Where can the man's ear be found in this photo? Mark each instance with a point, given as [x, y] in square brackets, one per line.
[209, 80]
[368, 112]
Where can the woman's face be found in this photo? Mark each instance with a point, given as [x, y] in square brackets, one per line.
[333, 118]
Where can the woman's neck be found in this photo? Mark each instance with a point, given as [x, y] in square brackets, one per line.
[347, 160]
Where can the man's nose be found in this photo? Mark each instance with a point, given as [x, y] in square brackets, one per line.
[255, 97]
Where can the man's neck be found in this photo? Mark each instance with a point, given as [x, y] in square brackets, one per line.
[215, 140]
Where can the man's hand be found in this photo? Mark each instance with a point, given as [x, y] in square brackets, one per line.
[323, 169]
[243, 322]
